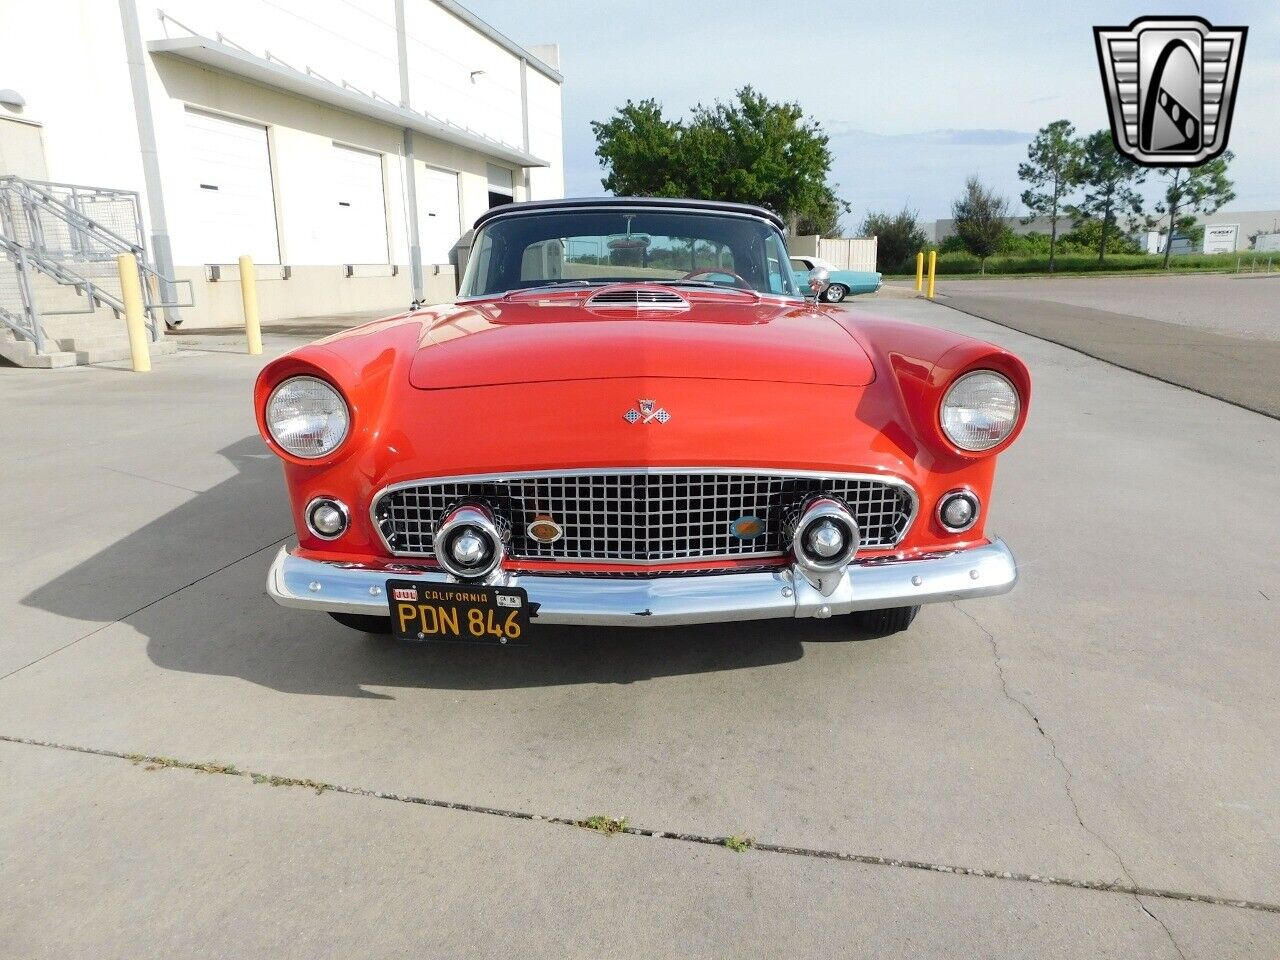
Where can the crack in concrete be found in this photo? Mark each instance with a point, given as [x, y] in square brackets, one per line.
[138, 476]
[1069, 777]
[816, 853]
[1163, 926]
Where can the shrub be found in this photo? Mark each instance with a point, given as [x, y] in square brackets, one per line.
[898, 239]
[1082, 262]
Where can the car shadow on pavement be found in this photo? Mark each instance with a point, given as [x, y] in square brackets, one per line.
[192, 582]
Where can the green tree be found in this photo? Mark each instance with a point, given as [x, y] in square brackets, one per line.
[824, 221]
[899, 238]
[1109, 182]
[750, 150]
[980, 219]
[1189, 191]
[640, 150]
[1051, 172]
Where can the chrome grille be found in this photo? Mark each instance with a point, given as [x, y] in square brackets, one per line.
[642, 517]
[639, 299]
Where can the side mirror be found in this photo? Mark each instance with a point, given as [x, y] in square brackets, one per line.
[819, 280]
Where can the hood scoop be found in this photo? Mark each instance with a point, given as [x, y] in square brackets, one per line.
[637, 298]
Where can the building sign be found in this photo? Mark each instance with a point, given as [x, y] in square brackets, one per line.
[1221, 238]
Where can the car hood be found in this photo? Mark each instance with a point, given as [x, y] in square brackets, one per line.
[719, 337]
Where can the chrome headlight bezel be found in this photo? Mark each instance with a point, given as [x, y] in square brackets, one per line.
[969, 444]
[338, 410]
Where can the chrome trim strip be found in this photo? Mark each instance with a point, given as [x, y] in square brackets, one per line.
[983, 571]
[651, 471]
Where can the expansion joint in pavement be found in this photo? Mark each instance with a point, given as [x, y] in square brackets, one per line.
[817, 853]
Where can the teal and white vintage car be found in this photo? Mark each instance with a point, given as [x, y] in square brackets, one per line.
[844, 283]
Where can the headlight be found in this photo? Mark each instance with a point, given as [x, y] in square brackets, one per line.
[307, 417]
[979, 411]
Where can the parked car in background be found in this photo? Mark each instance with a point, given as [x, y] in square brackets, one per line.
[844, 283]
[632, 417]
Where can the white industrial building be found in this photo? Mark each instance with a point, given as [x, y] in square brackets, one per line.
[345, 145]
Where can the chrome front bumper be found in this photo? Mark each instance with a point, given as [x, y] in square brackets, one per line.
[672, 600]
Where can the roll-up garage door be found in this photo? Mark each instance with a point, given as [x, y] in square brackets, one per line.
[360, 206]
[234, 203]
[439, 221]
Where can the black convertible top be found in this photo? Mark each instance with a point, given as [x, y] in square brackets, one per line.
[606, 203]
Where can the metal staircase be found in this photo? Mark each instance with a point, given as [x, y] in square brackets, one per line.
[60, 297]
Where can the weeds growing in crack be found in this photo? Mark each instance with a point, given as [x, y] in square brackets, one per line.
[275, 781]
[164, 763]
[606, 825]
[738, 844]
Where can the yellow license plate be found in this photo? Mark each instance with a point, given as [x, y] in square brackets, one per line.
[448, 611]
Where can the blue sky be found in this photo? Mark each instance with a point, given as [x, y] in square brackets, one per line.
[914, 96]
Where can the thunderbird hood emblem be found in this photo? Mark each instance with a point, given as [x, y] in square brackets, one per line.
[646, 411]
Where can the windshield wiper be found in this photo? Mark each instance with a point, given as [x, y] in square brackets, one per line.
[711, 284]
[558, 283]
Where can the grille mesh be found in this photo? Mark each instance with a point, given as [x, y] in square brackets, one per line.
[642, 517]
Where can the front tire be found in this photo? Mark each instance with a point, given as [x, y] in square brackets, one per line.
[882, 623]
[363, 622]
[835, 293]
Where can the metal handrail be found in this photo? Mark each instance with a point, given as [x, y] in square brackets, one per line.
[89, 241]
[69, 213]
[151, 299]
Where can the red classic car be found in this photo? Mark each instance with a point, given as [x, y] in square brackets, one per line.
[632, 417]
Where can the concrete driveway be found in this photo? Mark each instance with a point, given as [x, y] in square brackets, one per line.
[1113, 721]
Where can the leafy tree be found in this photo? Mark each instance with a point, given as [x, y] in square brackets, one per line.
[899, 238]
[980, 220]
[750, 150]
[1108, 181]
[1192, 190]
[824, 220]
[1051, 172]
[640, 150]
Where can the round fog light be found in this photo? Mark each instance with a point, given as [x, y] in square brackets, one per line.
[327, 518]
[825, 539]
[958, 510]
[468, 542]
[467, 549]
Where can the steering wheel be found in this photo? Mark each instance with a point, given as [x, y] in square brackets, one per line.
[721, 272]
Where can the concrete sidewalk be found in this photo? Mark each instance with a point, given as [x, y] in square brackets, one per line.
[1113, 719]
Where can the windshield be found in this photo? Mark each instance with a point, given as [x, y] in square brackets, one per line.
[587, 247]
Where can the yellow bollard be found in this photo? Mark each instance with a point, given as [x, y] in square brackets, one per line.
[249, 295]
[131, 295]
[919, 271]
[933, 270]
